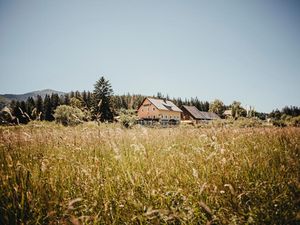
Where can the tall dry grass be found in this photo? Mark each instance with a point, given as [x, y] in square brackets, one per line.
[104, 174]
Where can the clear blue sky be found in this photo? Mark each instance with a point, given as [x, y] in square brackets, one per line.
[231, 50]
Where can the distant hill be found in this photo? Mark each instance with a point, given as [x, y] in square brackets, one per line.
[23, 97]
[5, 99]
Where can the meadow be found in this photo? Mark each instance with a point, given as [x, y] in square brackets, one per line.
[106, 174]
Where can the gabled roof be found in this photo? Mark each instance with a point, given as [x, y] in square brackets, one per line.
[162, 104]
[212, 115]
[200, 115]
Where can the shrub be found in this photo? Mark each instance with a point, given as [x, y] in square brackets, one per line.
[279, 123]
[128, 117]
[248, 122]
[68, 115]
[295, 121]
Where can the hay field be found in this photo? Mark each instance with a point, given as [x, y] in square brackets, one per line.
[90, 174]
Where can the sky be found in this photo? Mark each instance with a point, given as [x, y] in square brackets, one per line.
[241, 50]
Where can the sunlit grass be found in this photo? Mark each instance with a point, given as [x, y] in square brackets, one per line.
[109, 175]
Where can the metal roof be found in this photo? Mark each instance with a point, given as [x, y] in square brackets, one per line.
[162, 104]
[200, 115]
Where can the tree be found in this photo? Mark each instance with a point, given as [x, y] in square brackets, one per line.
[128, 117]
[66, 99]
[48, 109]
[30, 104]
[20, 113]
[75, 102]
[102, 100]
[89, 102]
[84, 99]
[68, 115]
[55, 101]
[39, 108]
[217, 106]
[237, 110]
[275, 114]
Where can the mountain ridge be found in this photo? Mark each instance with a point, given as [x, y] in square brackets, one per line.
[33, 94]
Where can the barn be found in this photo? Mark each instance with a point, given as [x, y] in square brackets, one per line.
[193, 114]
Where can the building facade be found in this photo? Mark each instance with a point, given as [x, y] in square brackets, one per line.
[159, 110]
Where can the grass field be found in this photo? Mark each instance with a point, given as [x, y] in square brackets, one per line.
[105, 174]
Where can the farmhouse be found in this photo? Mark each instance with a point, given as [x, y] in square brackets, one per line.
[158, 110]
[193, 114]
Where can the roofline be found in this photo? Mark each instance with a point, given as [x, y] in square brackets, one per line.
[149, 100]
[183, 106]
[156, 106]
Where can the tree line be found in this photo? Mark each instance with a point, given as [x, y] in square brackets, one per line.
[103, 105]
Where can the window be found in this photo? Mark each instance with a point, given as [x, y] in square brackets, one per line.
[153, 109]
[153, 117]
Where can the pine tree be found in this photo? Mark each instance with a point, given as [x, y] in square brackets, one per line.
[16, 110]
[72, 94]
[102, 96]
[66, 99]
[23, 107]
[39, 108]
[30, 105]
[84, 98]
[48, 109]
[78, 95]
[55, 101]
[89, 100]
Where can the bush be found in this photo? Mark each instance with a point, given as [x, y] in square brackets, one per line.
[295, 121]
[279, 123]
[128, 117]
[68, 115]
[248, 122]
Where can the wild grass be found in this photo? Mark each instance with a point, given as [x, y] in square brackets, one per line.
[105, 174]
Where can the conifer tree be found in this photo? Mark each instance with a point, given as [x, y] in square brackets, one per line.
[84, 98]
[89, 100]
[39, 107]
[30, 105]
[66, 99]
[48, 109]
[102, 100]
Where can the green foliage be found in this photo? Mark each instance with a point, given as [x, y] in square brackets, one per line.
[295, 121]
[3, 102]
[218, 107]
[6, 118]
[75, 102]
[291, 111]
[39, 107]
[248, 122]
[48, 109]
[102, 104]
[237, 110]
[128, 117]
[279, 123]
[92, 174]
[68, 115]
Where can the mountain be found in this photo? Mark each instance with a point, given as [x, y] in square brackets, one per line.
[23, 97]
